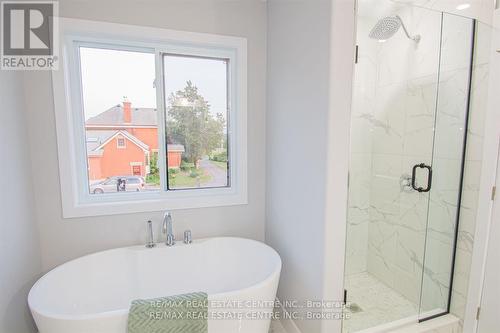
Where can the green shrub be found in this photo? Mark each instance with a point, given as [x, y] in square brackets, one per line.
[219, 157]
[194, 173]
[186, 166]
[153, 179]
[153, 165]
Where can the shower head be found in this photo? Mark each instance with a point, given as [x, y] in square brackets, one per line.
[387, 27]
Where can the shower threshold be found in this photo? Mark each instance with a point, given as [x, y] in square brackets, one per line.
[445, 323]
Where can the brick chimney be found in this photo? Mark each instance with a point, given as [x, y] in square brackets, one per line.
[127, 111]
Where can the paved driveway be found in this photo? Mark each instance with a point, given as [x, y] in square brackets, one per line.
[219, 175]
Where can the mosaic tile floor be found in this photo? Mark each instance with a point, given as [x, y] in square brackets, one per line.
[376, 303]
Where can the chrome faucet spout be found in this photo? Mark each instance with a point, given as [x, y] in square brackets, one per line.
[167, 229]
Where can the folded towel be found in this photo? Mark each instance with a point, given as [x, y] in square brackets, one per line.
[186, 313]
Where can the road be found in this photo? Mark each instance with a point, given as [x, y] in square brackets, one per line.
[219, 176]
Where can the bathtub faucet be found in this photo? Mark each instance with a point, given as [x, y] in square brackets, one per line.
[167, 229]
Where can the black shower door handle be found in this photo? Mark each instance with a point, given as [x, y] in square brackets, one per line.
[414, 177]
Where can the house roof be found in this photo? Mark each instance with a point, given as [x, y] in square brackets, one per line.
[175, 147]
[127, 135]
[114, 117]
[97, 139]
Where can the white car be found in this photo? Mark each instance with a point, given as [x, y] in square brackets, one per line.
[110, 185]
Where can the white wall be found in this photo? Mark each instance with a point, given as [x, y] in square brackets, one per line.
[65, 239]
[490, 302]
[19, 247]
[297, 138]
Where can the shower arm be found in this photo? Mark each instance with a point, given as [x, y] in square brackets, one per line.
[414, 38]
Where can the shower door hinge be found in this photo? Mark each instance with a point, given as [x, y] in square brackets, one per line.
[356, 55]
[493, 193]
[478, 312]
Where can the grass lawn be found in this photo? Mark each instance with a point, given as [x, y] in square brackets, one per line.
[180, 179]
[183, 179]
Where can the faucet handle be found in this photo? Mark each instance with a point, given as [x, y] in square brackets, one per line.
[151, 242]
[188, 239]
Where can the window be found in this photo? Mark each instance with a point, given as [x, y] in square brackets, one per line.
[155, 123]
[196, 95]
[120, 143]
[119, 108]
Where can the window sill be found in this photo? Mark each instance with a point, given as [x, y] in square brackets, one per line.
[157, 201]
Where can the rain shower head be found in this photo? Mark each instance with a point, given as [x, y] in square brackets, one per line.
[387, 27]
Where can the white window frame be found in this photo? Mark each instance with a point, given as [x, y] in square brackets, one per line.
[68, 107]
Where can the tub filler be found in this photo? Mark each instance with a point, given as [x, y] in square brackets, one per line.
[93, 293]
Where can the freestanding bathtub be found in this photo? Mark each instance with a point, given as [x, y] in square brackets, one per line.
[92, 294]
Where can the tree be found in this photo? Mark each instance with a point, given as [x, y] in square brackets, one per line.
[153, 165]
[190, 123]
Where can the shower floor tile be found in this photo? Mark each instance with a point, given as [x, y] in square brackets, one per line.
[276, 327]
[376, 303]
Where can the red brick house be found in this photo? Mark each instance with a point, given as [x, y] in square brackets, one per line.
[121, 141]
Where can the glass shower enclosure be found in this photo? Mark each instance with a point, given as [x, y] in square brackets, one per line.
[408, 137]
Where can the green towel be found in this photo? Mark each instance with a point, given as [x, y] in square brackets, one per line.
[186, 313]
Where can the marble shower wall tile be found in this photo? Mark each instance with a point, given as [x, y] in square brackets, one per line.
[435, 284]
[452, 108]
[479, 9]
[420, 106]
[408, 270]
[363, 109]
[406, 105]
[423, 60]
[365, 77]
[457, 36]
[479, 98]
[401, 122]
[402, 59]
[388, 120]
[384, 213]
[358, 212]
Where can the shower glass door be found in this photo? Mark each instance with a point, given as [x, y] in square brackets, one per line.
[409, 120]
[452, 107]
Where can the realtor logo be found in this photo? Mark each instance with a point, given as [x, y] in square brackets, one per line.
[29, 35]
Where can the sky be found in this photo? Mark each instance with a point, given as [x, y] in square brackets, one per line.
[110, 75]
